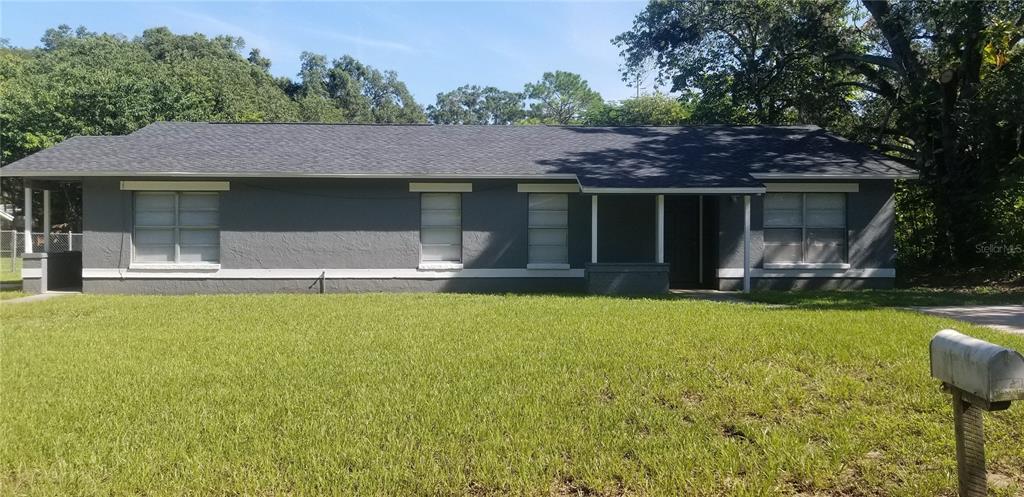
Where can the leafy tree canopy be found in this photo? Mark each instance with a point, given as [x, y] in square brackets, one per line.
[646, 110]
[84, 83]
[471, 104]
[747, 62]
[560, 97]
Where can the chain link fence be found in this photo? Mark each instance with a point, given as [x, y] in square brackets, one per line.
[12, 246]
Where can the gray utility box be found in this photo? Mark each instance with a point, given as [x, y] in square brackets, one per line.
[980, 376]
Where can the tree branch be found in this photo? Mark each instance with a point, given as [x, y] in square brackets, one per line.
[878, 60]
[858, 84]
[895, 35]
[887, 147]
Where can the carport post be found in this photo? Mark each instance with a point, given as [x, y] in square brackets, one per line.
[746, 244]
[28, 220]
[593, 229]
[46, 220]
[660, 230]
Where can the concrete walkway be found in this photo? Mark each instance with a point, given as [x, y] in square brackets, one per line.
[38, 298]
[712, 295]
[1009, 318]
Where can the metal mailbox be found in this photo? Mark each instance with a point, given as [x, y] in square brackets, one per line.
[987, 371]
[980, 376]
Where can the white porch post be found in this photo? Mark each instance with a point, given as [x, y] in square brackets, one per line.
[700, 239]
[28, 220]
[593, 229]
[46, 221]
[660, 230]
[746, 244]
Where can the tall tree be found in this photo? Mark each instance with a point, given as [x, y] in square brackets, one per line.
[937, 84]
[350, 91]
[471, 104]
[560, 97]
[949, 79]
[646, 110]
[751, 61]
[83, 83]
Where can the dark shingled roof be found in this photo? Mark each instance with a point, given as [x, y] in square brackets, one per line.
[633, 157]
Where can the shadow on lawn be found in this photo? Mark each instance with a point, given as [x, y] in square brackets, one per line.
[868, 299]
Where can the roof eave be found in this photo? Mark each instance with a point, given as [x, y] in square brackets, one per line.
[819, 176]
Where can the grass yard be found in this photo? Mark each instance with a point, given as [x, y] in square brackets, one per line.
[462, 394]
[12, 294]
[10, 272]
[911, 297]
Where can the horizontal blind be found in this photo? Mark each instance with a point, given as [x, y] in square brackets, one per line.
[176, 227]
[440, 227]
[805, 228]
[548, 226]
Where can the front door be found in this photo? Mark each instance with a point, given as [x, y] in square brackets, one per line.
[682, 240]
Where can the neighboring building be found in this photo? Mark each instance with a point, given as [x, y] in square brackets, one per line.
[211, 207]
[6, 217]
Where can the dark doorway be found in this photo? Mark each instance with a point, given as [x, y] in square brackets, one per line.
[683, 240]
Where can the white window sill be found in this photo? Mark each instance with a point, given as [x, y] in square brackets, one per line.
[807, 265]
[440, 266]
[547, 266]
[136, 266]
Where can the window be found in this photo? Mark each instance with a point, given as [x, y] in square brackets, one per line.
[176, 228]
[548, 226]
[440, 228]
[805, 228]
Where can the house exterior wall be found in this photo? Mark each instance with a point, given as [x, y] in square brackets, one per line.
[283, 233]
[334, 224]
[870, 224]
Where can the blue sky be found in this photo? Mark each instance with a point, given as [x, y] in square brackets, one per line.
[434, 46]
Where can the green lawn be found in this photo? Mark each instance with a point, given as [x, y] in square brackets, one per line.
[12, 294]
[892, 298]
[8, 271]
[482, 395]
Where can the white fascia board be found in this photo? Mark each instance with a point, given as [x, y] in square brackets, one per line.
[691, 191]
[864, 176]
[255, 174]
[331, 274]
[177, 186]
[737, 272]
[441, 187]
[548, 187]
[813, 187]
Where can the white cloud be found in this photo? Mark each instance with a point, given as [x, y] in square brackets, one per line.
[363, 41]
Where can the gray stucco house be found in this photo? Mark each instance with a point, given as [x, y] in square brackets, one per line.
[215, 207]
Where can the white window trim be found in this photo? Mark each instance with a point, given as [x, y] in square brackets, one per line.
[440, 266]
[806, 265]
[548, 188]
[812, 187]
[185, 266]
[547, 267]
[176, 186]
[737, 272]
[441, 187]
